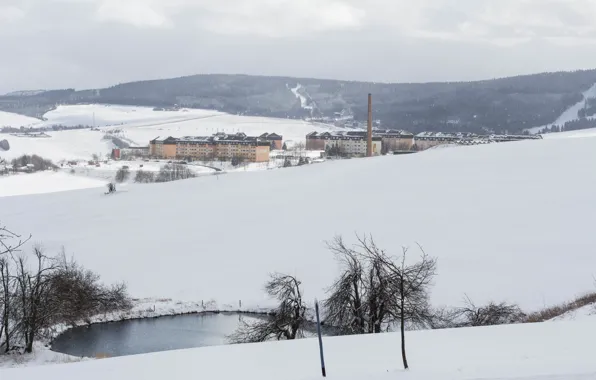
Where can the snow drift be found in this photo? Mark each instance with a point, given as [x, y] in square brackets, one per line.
[549, 351]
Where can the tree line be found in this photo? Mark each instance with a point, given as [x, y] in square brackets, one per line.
[38, 291]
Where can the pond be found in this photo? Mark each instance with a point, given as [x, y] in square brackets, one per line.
[142, 336]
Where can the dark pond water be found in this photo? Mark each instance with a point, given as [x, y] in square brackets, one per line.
[148, 335]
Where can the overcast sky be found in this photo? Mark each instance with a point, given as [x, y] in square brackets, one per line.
[95, 43]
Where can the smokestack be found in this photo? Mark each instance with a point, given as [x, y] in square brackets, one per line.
[369, 146]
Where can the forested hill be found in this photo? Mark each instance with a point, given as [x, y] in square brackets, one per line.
[499, 105]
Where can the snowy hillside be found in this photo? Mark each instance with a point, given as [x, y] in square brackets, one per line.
[106, 115]
[138, 124]
[549, 351]
[291, 130]
[502, 220]
[8, 119]
[571, 134]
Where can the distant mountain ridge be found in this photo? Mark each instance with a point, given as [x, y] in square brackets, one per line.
[505, 105]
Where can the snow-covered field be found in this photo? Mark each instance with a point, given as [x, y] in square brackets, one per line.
[106, 171]
[44, 182]
[508, 222]
[80, 144]
[503, 221]
[138, 124]
[9, 119]
[548, 351]
[100, 115]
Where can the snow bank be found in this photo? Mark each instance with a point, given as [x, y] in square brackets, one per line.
[41, 355]
[558, 350]
[44, 182]
[502, 220]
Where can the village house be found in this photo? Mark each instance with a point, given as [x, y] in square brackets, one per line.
[220, 146]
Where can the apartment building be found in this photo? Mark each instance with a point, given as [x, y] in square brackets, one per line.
[426, 140]
[163, 147]
[343, 143]
[275, 140]
[395, 140]
[220, 146]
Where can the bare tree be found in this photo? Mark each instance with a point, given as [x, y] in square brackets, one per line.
[285, 322]
[49, 291]
[345, 307]
[33, 294]
[78, 295]
[360, 299]
[5, 303]
[11, 242]
[408, 283]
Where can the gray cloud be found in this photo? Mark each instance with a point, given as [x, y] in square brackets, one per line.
[92, 43]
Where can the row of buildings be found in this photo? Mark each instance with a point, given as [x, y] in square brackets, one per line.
[220, 146]
[354, 143]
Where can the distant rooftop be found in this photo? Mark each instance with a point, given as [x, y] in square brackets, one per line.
[221, 138]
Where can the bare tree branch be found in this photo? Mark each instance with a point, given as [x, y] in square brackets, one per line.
[285, 322]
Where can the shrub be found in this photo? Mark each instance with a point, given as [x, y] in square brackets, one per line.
[174, 172]
[558, 310]
[39, 163]
[122, 174]
[144, 177]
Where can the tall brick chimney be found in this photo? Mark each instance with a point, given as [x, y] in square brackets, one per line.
[369, 146]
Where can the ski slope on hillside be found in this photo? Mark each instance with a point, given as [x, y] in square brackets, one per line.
[548, 351]
[571, 113]
[503, 221]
